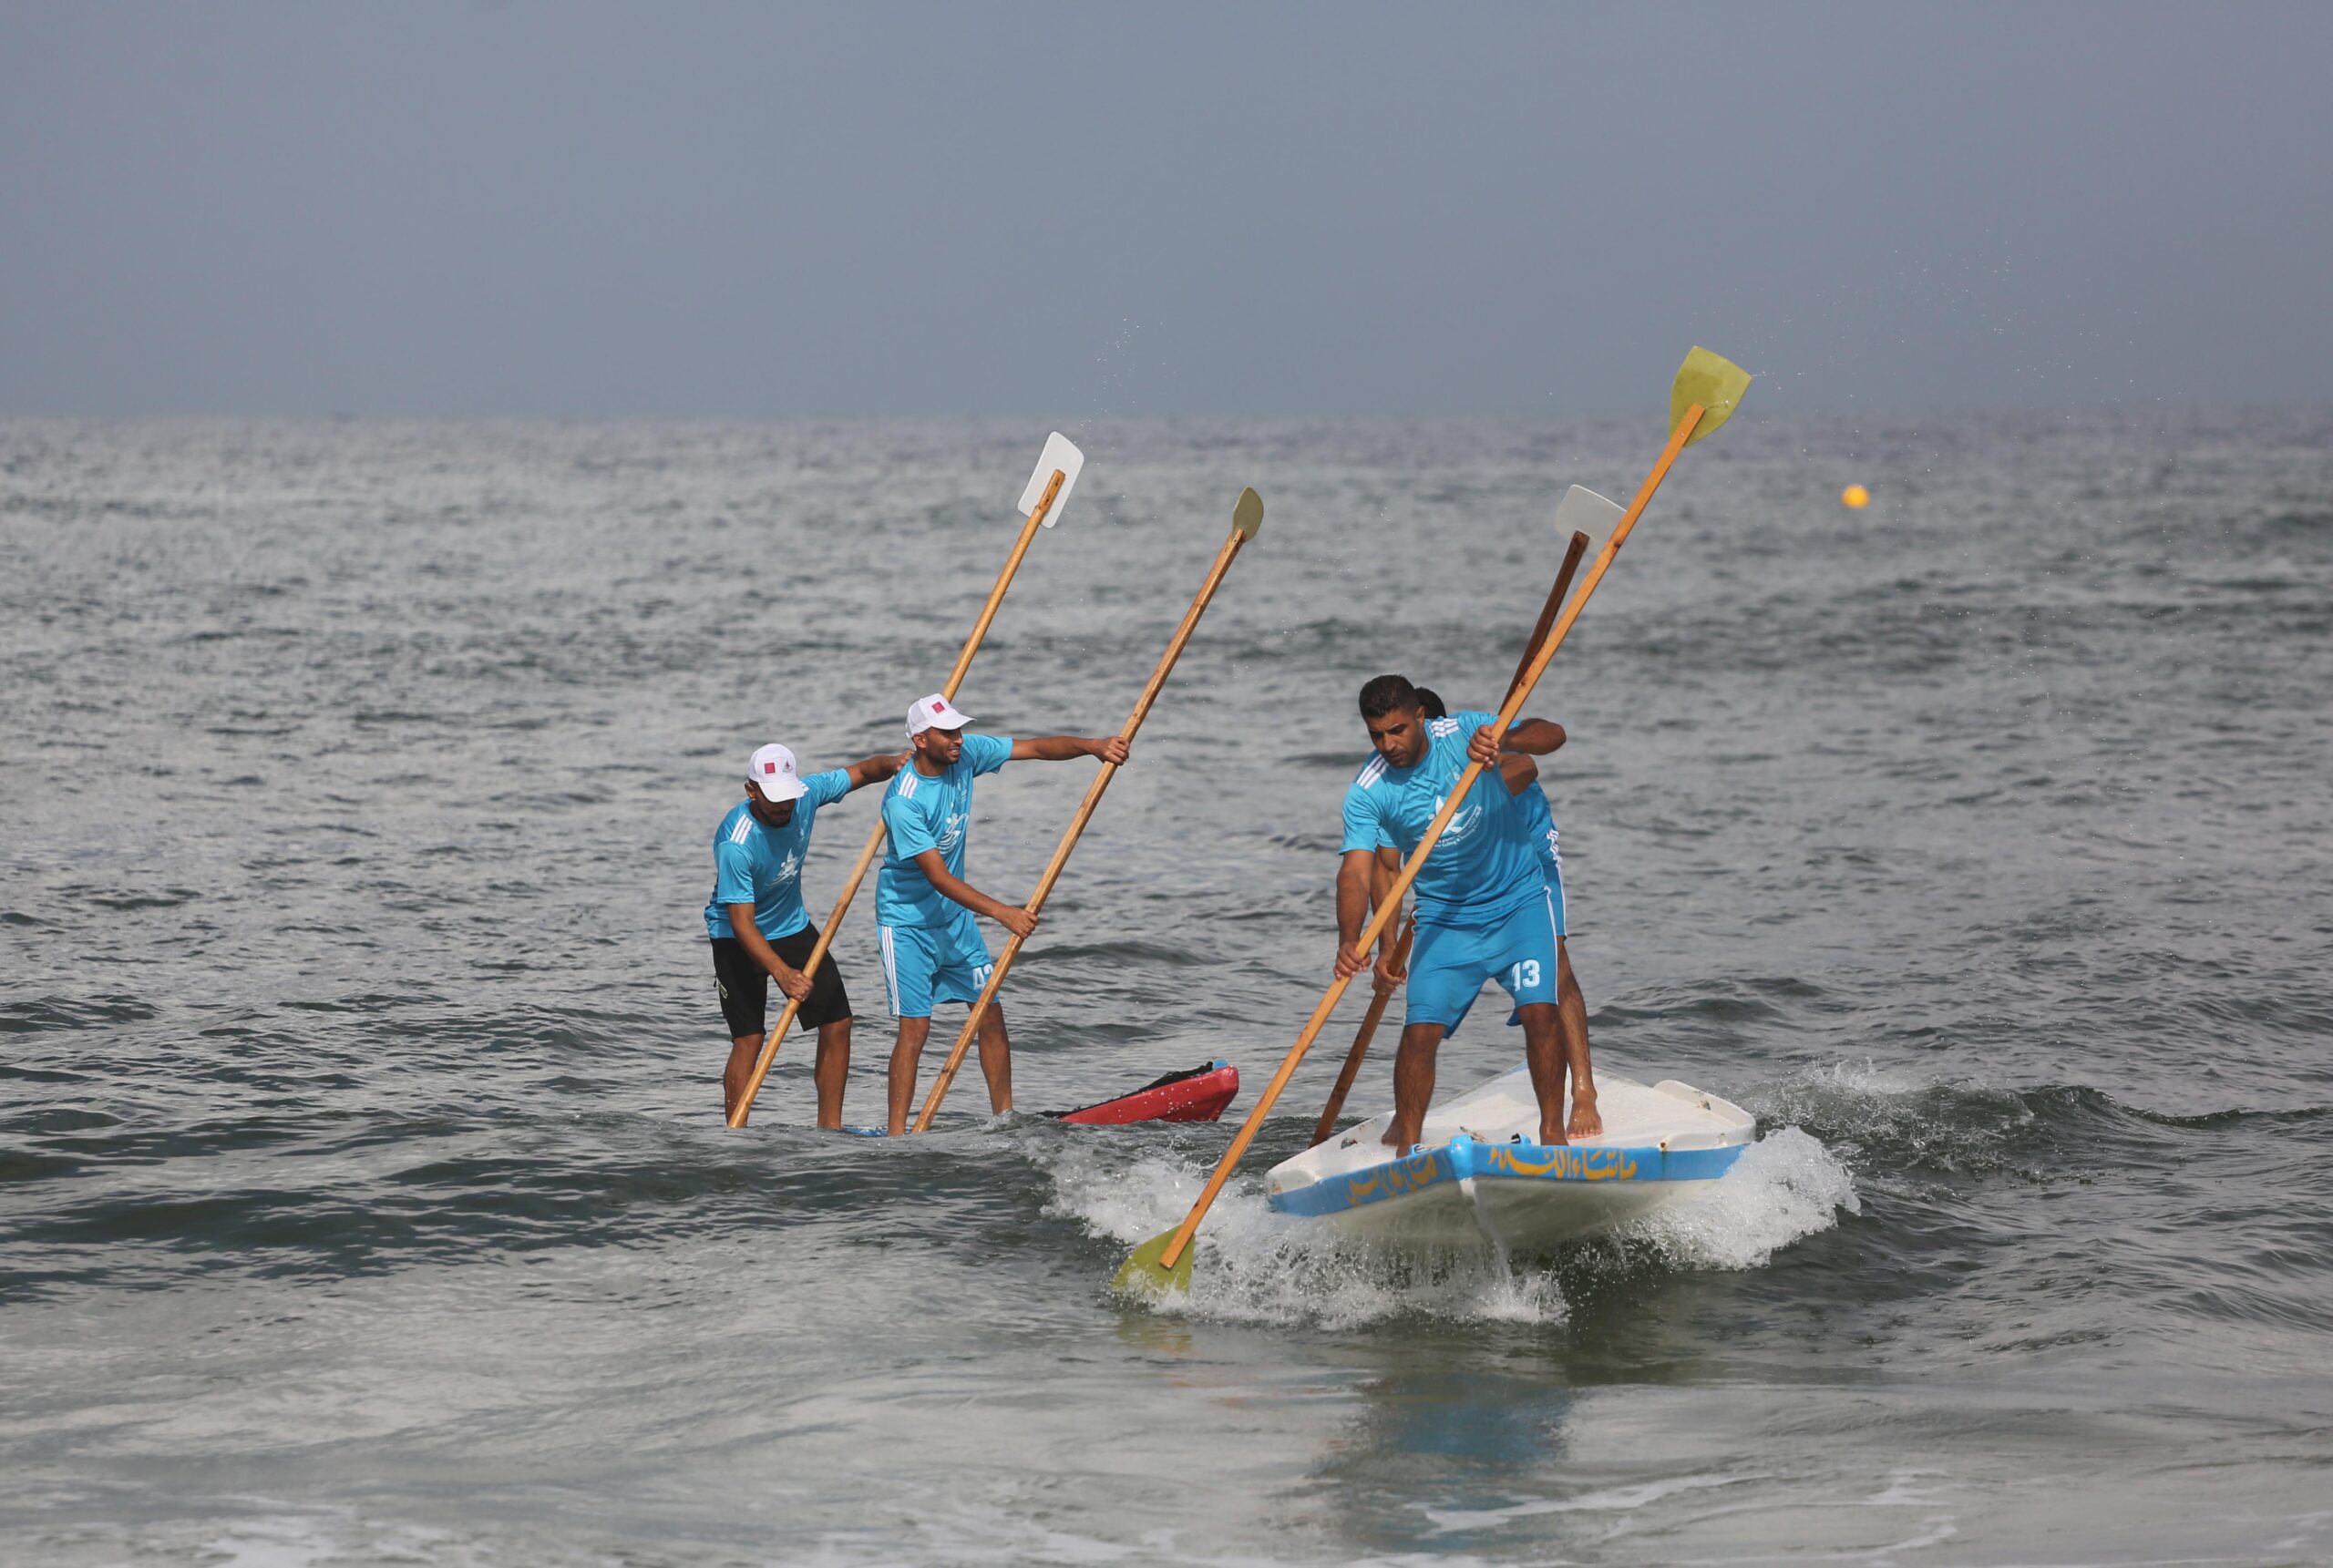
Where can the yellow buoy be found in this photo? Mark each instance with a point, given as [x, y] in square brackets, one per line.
[1854, 498]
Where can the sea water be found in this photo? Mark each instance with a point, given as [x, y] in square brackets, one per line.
[363, 1192]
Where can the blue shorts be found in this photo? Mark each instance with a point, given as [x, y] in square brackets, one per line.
[1448, 963]
[927, 964]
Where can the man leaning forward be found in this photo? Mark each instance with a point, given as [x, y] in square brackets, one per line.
[760, 931]
[1483, 910]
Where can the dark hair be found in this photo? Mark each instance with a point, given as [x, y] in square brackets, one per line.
[1431, 705]
[1385, 693]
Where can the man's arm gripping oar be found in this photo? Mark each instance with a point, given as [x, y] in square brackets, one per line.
[1704, 396]
[1246, 517]
[1044, 500]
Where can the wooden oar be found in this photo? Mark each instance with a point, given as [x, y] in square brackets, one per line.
[1045, 498]
[1361, 1037]
[1705, 395]
[1580, 510]
[1246, 517]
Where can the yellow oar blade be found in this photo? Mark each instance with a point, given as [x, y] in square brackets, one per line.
[1712, 381]
[1249, 515]
[1143, 1274]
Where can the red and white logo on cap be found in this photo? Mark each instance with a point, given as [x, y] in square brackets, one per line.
[935, 713]
[773, 771]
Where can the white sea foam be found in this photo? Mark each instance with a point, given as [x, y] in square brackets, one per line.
[1256, 1266]
[1259, 1266]
[1786, 1185]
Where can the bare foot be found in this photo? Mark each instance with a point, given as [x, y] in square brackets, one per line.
[1584, 1121]
[1394, 1141]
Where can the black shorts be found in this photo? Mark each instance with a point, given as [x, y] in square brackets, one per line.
[746, 987]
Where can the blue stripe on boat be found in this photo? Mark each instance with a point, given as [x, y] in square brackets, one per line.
[1505, 1163]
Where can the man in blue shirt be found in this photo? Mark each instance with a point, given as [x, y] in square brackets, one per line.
[760, 931]
[933, 948]
[1484, 909]
[1522, 776]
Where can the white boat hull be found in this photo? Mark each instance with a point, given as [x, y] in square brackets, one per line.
[1480, 1178]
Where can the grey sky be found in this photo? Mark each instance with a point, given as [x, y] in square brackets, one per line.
[588, 209]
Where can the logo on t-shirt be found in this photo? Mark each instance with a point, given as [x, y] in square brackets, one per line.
[1465, 823]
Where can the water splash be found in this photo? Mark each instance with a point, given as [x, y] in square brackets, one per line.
[1786, 1186]
[1258, 1265]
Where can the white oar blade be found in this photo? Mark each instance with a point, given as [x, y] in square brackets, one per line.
[1059, 453]
[1583, 511]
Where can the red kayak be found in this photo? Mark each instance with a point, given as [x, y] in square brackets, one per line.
[1197, 1095]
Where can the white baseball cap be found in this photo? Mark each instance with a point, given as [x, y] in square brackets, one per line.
[772, 771]
[935, 713]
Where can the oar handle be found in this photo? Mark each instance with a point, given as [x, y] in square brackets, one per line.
[776, 1036]
[1003, 966]
[1572, 552]
[1368, 1031]
[1003, 581]
[1416, 861]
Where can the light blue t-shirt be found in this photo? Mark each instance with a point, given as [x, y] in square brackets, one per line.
[923, 813]
[1483, 867]
[756, 863]
[1538, 826]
